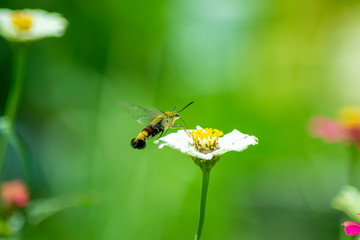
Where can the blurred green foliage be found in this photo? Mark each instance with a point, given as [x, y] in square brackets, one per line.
[262, 67]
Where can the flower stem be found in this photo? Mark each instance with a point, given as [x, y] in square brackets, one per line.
[204, 190]
[17, 87]
[13, 98]
[352, 179]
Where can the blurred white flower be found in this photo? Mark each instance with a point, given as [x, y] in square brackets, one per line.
[348, 201]
[207, 143]
[30, 24]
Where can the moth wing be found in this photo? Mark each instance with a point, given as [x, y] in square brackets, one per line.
[142, 115]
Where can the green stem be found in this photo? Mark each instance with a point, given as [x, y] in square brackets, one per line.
[352, 165]
[204, 190]
[13, 98]
[20, 150]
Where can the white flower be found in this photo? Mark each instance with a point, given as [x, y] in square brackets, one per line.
[30, 24]
[348, 201]
[206, 143]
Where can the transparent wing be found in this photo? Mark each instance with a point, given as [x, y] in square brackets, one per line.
[142, 115]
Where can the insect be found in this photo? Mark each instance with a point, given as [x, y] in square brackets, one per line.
[157, 122]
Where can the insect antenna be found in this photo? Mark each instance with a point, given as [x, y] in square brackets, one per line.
[185, 106]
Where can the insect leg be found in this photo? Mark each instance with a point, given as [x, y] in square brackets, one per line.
[184, 123]
[176, 126]
[186, 131]
[161, 134]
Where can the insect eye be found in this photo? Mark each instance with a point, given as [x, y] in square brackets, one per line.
[177, 115]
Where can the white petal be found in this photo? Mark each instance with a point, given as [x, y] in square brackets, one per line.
[47, 24]
[6, 27]
[235, 141]
[205, 156]
[179, 140]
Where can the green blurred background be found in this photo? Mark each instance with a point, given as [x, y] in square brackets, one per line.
[262, 67]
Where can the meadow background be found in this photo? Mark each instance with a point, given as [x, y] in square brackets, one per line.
[262, 67]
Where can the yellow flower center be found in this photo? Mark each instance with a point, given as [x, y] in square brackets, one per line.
[350, 116]
[22, 20]
[206, 140]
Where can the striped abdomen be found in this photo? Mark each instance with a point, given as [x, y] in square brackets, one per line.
[148, 132]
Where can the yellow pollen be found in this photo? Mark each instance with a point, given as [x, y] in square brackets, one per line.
[206, 140]
[22, 20]
[206, 133]
[350, 116]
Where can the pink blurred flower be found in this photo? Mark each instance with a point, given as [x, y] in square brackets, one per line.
[351, 228]
[14, 194]
[327, 129]
[346, 128]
